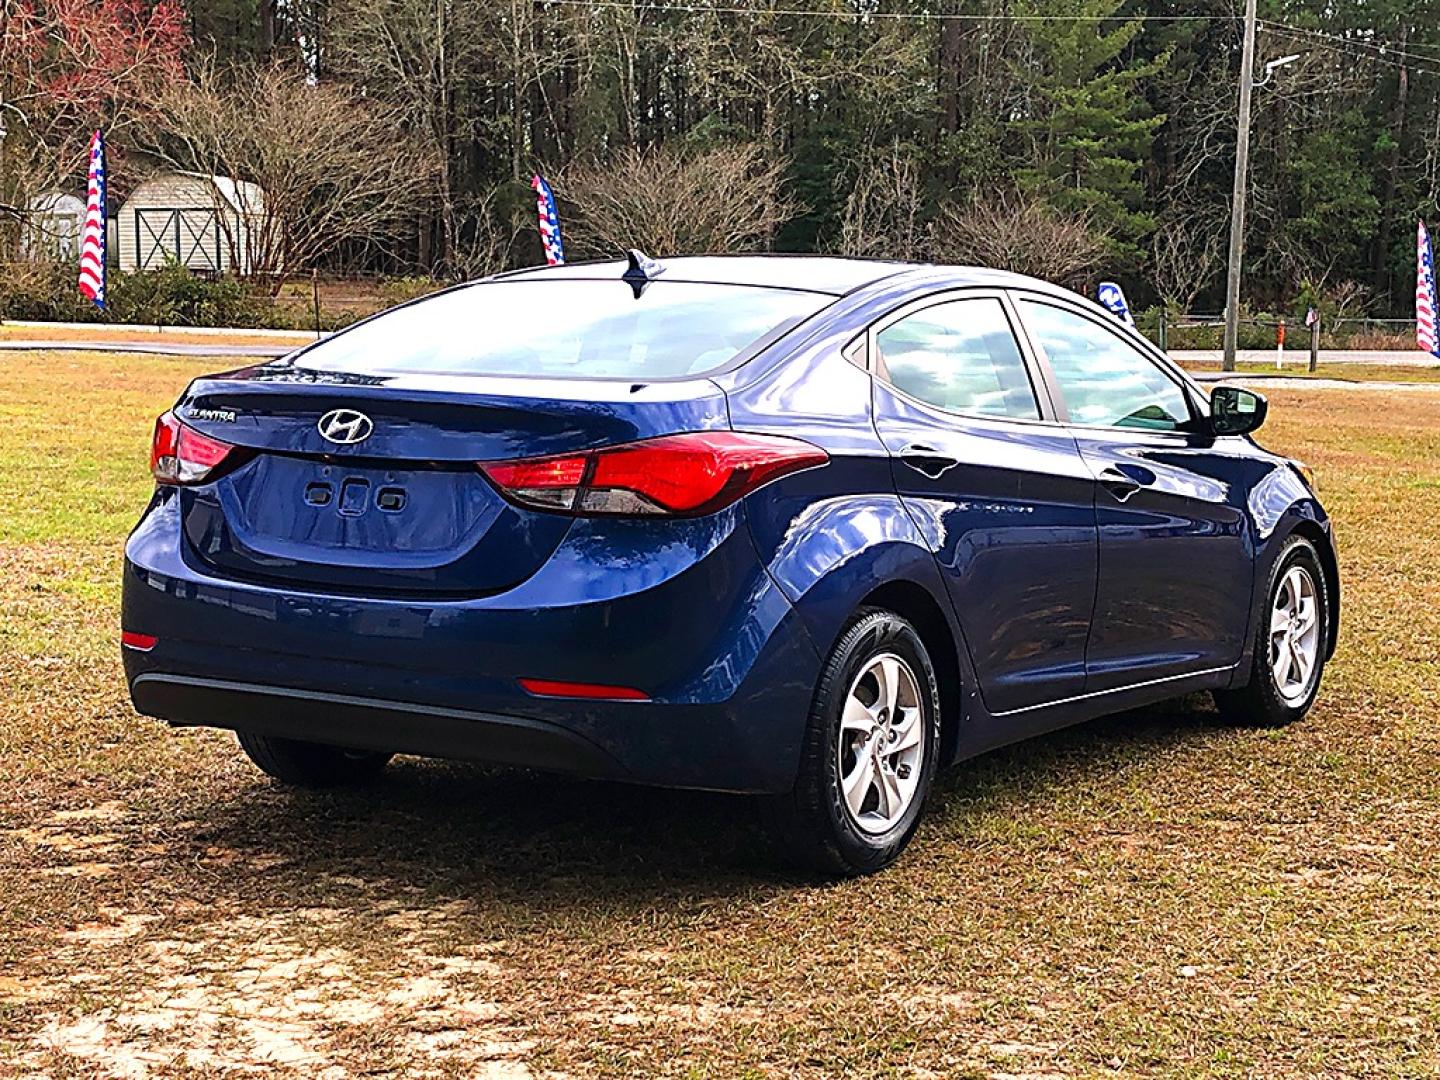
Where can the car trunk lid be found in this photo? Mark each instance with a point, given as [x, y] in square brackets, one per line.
[398, 505]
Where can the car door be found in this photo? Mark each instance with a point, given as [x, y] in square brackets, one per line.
[998, 489]
[1176, 568]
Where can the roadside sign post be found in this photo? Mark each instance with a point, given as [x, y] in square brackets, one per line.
[1315, 341]
[315, 299]
[1280, 344]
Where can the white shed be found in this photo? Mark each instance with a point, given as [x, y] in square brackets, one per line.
[52, 227]
[177, 217]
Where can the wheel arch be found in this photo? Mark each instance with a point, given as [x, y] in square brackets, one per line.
[1282, 505]
[914, 603]
[1324, 545]
[841, 555]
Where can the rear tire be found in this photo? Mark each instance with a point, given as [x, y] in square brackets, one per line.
[870, 750]
[1289, 647]
[307, 764]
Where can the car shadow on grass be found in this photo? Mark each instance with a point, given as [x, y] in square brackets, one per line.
[469, 831]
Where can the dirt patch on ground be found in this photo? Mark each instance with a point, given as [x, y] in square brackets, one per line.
[134, 994]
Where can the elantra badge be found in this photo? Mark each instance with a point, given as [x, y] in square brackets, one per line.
[345, 426]
[221, 416]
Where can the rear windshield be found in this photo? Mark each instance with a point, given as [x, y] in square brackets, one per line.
[589, 329]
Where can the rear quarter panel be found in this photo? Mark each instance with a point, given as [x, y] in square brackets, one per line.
[830, 536]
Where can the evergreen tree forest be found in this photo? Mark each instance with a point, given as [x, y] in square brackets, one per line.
[878, 127]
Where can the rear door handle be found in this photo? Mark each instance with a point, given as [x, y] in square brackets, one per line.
[1119, 484]
[927, 460]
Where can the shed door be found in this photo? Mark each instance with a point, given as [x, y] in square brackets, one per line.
[187, 235]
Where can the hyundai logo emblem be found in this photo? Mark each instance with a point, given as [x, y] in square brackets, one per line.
[345, 426]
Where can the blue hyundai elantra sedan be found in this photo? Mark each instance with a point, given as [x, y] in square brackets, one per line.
[806, 527]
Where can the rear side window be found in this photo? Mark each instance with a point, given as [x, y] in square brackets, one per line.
[576, 328]
[961, 356]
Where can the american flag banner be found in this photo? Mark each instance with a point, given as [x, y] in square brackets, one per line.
[549, 222]
[1425, 301]
[92, 237]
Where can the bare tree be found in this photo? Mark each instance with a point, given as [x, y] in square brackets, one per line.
[1023, 233]
[332, 166]
[428, 58]
[883, 213]
[26, 171]
[1186, 252]
[669, 202]
[481, 244]
[1350, 299]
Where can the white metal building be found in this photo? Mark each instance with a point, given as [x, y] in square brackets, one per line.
[176, 217]
[52, 227]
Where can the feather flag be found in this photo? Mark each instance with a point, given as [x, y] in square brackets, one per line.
[1113, 297]
[1425, 301]
[549, 222]
[92, 236]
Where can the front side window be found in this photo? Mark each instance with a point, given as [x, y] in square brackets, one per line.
[961, 356]
[1104, 381]
[567, 327]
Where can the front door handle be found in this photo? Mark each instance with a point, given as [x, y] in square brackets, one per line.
[927, 460]
[1119, 484]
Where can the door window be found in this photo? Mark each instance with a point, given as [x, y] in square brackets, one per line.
[1105, 381]
[961, 356]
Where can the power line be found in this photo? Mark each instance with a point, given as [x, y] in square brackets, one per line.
[1381, 54]
[1405, 65]
[1384, 49]
[1410, 66]
[911, 16]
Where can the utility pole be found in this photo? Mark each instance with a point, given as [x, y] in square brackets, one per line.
[1237, 197]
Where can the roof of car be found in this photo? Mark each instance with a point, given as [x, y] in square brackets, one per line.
[818, 273]
[831, 274]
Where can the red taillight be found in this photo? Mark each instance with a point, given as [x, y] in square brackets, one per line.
[140, 642]
[181, 455]
[598, 691]
[695, 473]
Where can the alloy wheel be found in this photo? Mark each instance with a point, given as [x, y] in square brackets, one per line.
[1295, 634]
[882, 744]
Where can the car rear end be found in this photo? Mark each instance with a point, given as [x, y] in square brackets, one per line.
[506, 524]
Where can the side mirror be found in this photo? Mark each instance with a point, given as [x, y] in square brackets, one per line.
[1235, 410]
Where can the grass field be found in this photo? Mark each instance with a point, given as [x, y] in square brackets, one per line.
[1407, 373]
[1148, 895]
[99, 332]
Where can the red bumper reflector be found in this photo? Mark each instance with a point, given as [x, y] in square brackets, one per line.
[142, 642]
[550, 688]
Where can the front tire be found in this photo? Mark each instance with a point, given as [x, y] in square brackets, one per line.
[870, 750]
[307, 764]
[1289, 647]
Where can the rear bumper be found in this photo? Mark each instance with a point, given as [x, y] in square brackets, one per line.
[369, 723]
[696, 624]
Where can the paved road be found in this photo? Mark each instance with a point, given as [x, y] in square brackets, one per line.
[159, 348]
[1300, 358]
[1264, 382]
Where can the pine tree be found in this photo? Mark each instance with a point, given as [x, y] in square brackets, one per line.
[1088, 127]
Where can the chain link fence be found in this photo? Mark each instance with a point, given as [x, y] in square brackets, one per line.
[1263, 331]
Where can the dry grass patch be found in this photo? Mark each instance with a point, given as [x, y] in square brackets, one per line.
[1148, 895]
[102, 332]
[1297, 367]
